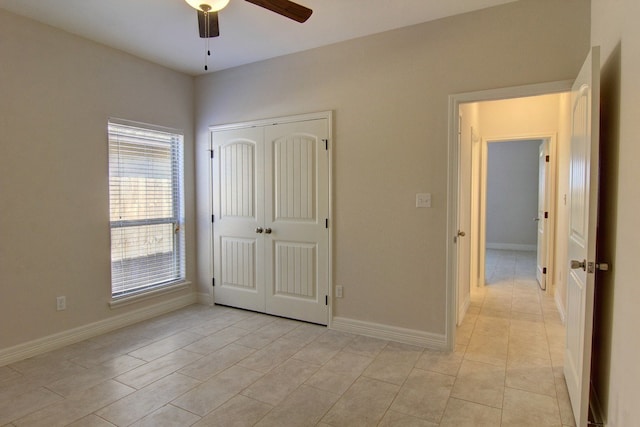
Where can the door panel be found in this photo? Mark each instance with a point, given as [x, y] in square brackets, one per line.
[463, 238]
[583, 190]
[238, 263]
[295, 266]
[238, 209]
[543, 207]
[297, 198]
[295, 178]
[237, 182]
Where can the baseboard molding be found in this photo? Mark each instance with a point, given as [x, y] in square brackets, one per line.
[463, 311]
[559, 306]
[391, 333]
[511, 247]
[81, 333]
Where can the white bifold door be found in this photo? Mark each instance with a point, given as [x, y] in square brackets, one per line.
[271, 218]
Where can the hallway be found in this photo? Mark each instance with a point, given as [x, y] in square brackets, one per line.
[512, 342]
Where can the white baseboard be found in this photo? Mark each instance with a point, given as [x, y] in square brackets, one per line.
[391, 333]
[463, 310]
[81, 333]
[511, 247]
[559, 306]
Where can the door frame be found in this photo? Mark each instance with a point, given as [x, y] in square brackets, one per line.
[453, 180]
[328, 115]
[481, 238]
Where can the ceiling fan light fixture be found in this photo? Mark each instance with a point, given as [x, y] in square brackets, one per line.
[208, 5]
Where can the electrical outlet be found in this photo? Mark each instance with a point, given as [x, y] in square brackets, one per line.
[338, 291]
[61, 303]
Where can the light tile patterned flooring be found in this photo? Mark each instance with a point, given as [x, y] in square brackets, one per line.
[225, 367]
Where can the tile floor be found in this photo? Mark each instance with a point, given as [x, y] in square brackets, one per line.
[225, 367]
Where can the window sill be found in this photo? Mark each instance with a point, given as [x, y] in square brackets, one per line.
[144, 295]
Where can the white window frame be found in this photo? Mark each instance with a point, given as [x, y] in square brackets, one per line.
[162, 269]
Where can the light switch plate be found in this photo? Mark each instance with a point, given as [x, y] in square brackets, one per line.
[423, 200]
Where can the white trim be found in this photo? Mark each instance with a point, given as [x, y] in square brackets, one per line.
[511, 247]
[551, 137]
[391, 333]
[158, 128]
[512, 92]
[320, 115]
[560, 307]
[277, 120]
[464, 309]
[81, 333]
[147, 294]
[452, 181]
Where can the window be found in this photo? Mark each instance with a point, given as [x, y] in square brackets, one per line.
[146, 208]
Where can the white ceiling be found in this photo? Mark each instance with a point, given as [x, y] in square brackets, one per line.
[166, 31]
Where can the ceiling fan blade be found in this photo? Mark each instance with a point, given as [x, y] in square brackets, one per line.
[214, 30]
[286, 8]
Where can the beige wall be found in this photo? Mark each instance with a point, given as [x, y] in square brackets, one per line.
[520, 117]
[56, 93]
[512, 194]
[616, 349]
[390, 93]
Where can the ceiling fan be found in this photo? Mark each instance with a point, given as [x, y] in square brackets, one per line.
[208, 12]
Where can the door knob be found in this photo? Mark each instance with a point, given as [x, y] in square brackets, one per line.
[579, 264]
[461, 233]
[259, 230]
[536, 219]
[267, 231]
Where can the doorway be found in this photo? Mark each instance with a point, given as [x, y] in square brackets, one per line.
[487, 117]
[517, 210]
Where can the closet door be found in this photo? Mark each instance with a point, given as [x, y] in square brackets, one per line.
[238, 209]
[297, 212]
[271, 213]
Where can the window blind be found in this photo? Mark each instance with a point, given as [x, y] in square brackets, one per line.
[146, 208]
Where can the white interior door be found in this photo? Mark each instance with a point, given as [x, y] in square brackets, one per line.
[238, 209]
[583, 189]
[271, 219]
[464, 219]
[542, 215]
[297, 214]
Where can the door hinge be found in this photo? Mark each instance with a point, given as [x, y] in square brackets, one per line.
[544, 270]
[326, 223]
[546, 159]
[326, 300]
[211, 151]
[326, 144]
[546, 215]
[213, 218]
[213, 282]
